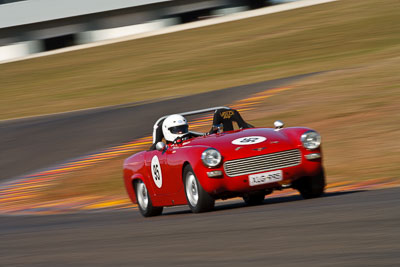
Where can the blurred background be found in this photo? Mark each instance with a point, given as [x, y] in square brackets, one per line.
[32, 26]
[91, 56]
[82, 82]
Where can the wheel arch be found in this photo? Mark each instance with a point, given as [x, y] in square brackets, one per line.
[131, 189]
[186, 163]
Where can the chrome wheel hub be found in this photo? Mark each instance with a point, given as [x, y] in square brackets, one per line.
[192, 192]
[142, 195]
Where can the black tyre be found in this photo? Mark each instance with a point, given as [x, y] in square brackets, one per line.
[198, 199]
[254, 198]
[146, 207]
[311, 187]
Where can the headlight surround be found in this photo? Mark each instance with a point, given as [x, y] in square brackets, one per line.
[311, 139]
[211, 157]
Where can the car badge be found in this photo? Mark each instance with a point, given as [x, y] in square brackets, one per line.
[274, 142]
[259, 149]
[238, 148]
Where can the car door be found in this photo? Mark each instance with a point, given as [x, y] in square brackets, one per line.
[157, 170]
[175, 159]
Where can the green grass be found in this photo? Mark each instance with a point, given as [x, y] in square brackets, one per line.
[323, 37]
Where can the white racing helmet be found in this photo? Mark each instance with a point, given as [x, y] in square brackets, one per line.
[174, 126]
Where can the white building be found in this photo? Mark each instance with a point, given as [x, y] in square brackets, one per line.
[31, 26]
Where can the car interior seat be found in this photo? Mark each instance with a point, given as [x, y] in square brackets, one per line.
[226, 117]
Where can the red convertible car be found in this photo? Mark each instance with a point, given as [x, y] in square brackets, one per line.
[184, 167]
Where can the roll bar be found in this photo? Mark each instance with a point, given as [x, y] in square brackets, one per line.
[188, 113]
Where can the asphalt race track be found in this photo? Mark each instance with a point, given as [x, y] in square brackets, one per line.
[34, 143]
[340, 229]
[354, 228]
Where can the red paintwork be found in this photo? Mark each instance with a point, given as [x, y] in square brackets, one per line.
[173, 160]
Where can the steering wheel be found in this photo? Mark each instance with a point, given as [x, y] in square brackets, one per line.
[179, 140]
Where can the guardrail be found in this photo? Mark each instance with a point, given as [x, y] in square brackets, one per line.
[26, 35]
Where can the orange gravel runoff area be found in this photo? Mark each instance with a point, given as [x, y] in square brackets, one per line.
[20, 196]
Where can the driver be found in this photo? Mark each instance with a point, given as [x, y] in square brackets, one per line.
[176, 129]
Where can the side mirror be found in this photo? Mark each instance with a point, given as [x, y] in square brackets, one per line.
[278, 125]
[160, 146]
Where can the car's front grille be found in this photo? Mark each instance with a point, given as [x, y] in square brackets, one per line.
[263, 163]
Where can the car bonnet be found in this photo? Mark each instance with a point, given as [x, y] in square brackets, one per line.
[246, 142]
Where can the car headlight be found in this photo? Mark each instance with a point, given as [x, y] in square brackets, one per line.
[211, 157]
[311, 140]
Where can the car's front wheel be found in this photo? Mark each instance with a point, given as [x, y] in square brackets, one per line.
[146, 207]
[198, 199]
[311, 187]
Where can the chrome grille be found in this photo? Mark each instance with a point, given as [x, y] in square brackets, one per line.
[263, 163]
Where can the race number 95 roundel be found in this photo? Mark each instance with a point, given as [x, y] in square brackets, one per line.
[156, 171]
[249, 140]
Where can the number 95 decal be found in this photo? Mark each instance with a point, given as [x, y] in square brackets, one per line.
[156, 171]
[249, 140]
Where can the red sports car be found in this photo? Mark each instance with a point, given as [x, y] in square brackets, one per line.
[183, 167]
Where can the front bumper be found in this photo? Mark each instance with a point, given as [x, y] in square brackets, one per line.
[215, 181]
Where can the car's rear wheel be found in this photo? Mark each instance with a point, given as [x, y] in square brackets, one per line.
[198, 199]
[311, 187]
[146, 207]
[254, 198]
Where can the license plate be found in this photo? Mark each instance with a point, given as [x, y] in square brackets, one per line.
[265, 178]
